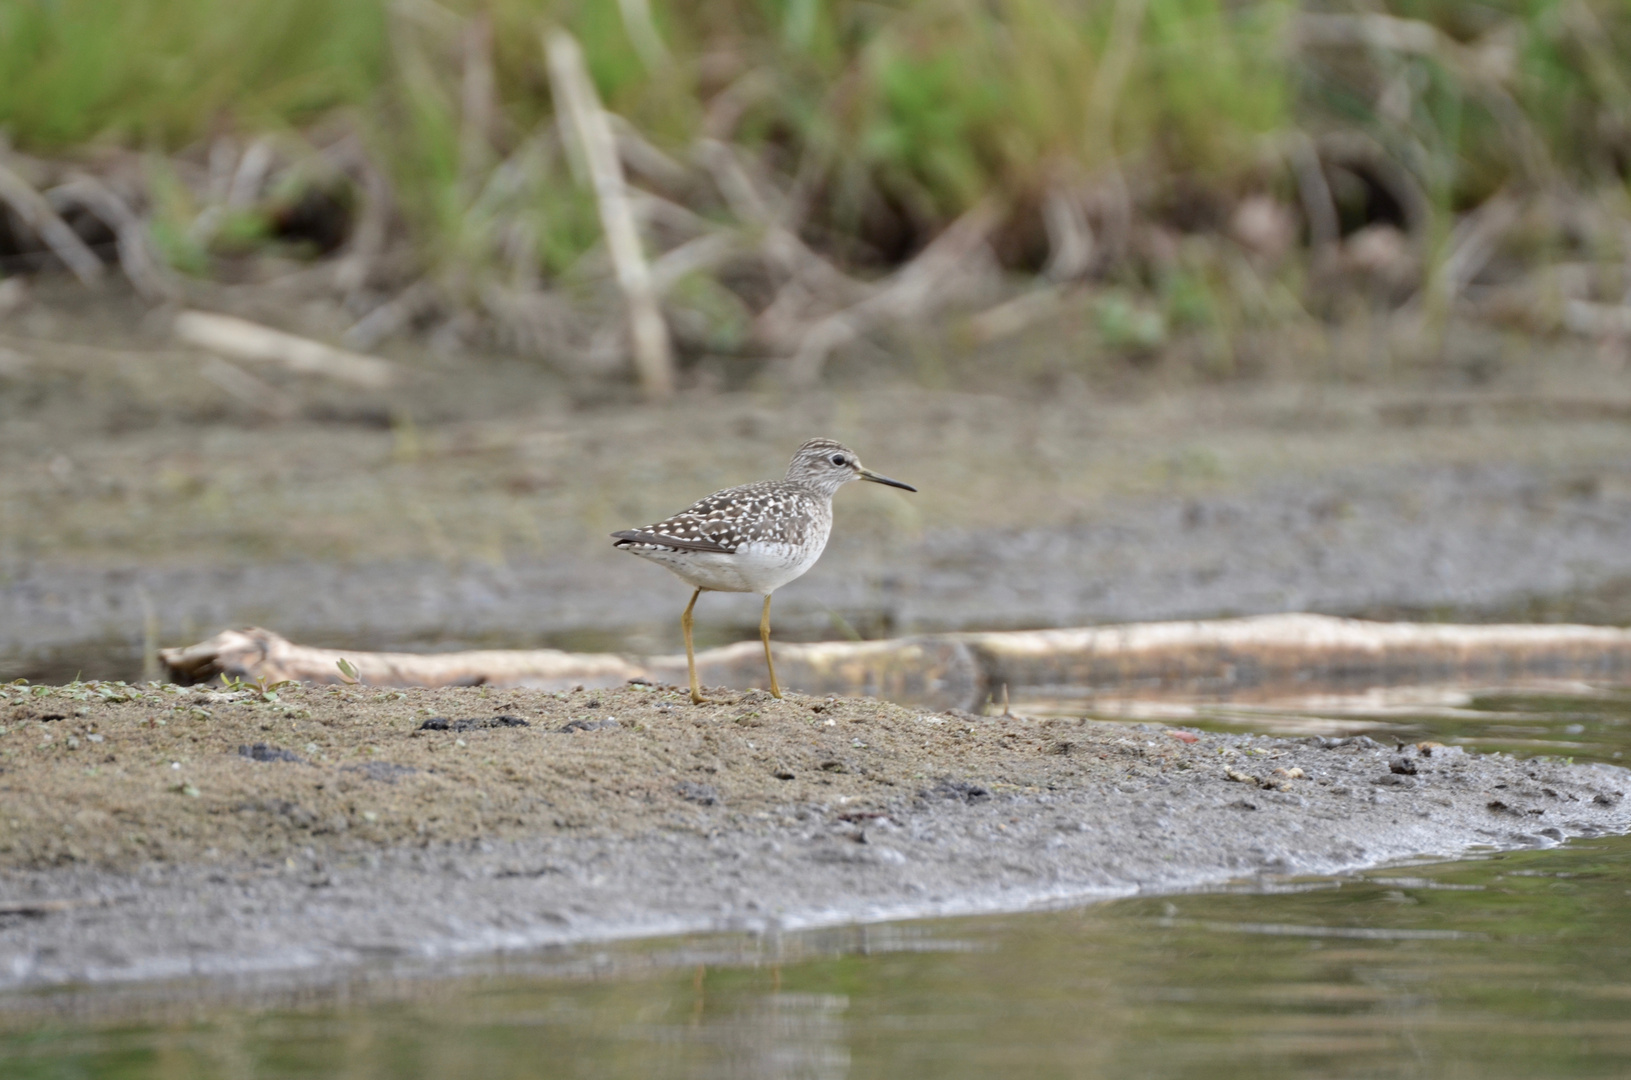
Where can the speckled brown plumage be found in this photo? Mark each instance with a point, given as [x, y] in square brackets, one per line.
[754, 538]
[772, 510]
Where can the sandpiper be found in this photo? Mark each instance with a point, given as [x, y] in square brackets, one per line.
[754, 538]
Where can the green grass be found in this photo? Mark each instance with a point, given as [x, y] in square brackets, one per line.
[165, 72]
[894, 117]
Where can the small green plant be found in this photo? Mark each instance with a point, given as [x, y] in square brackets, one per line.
[260, 688]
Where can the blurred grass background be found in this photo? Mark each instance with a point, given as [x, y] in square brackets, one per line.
[1182, 169]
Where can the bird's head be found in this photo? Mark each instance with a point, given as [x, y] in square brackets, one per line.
[827, 466]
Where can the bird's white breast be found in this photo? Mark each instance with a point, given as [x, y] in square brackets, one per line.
[760, 566]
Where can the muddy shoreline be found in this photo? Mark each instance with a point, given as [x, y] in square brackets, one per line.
[171, 832]
[1452, 543]
[472, 511]
[299, 838]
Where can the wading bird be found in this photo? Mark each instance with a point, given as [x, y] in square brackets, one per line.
[755, 538]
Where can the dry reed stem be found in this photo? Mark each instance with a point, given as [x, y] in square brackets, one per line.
[780, 246]
[576, 98]
[251, 341]
[1071, 250]
[37, 213]
[920, 287]
[694, 256]
[1472, 244]
[1319, 206]
[146, 271]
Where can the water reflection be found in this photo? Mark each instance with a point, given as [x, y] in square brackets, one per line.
[1567, 719]
[1505, 964]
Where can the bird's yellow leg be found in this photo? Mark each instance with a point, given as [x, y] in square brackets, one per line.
[690, 652]
[764, 635]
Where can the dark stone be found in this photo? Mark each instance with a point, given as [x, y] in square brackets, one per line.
[442, 723]
[1331, 742]
[262, 752]
[961, 790]
[1403, 766]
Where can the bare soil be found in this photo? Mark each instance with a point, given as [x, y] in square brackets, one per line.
[185, 832]
[208, 774]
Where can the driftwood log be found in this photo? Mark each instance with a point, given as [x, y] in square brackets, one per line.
[930, 670]
[1277, 656]
[1243, 659]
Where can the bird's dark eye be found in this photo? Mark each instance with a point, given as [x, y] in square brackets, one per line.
[838, 459]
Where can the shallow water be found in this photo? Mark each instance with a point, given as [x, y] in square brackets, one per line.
[1503, 964]
[1574, 720]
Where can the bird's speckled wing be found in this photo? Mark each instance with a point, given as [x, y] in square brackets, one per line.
[772, 511]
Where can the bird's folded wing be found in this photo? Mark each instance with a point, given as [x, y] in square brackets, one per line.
[679, 543]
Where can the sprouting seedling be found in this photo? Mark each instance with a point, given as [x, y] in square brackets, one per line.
[265, 691]
[348, 672]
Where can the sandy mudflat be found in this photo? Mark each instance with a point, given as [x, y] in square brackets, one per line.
[187, 831]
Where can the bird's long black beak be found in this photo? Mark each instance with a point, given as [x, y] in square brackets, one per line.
[868, 474]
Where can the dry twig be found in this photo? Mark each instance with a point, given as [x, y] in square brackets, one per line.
[1319, 207]
[1473, 244]
[1070, 236]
